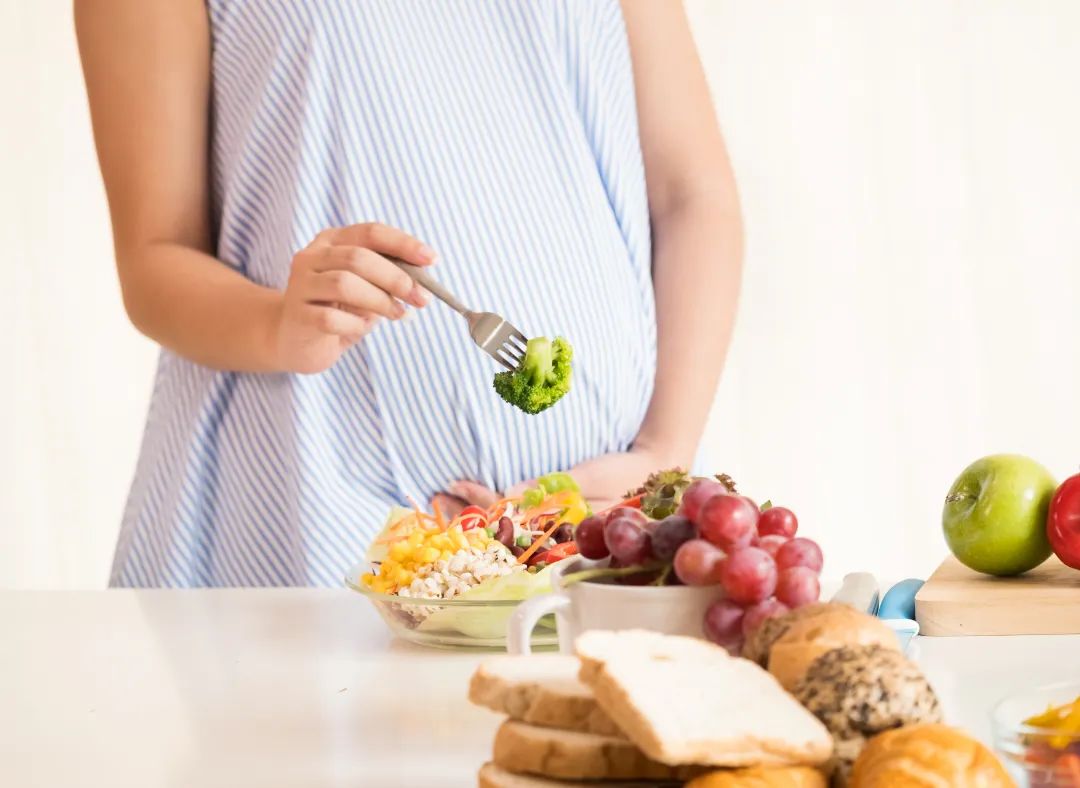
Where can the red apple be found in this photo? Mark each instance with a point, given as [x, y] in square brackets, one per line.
[1063, 522]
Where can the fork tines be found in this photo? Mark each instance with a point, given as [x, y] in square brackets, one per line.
[512, 350]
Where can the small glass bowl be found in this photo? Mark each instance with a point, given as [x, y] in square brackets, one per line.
[1037, 757]
[449, 623]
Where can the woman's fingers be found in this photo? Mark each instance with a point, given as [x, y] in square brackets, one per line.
[350, 290]
[374, 268]
[519, 489]
[473, 493]
[385, 240]
[338, 322]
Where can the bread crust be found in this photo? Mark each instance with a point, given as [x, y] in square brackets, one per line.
[912, 756]
[762, 777]
[562, 755]
[553, 704]
[492, 776]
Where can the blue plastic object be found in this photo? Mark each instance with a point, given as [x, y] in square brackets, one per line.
[905, 630]
[899, 601]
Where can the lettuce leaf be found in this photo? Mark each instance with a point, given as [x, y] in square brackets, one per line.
[377, 550]
[489, 622]
[545, 486]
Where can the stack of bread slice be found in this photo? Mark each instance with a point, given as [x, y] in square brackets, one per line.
[639, 708]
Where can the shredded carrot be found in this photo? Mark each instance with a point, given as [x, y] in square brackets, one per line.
[536, 544]
[438, 515]
[404, 525]
[498, 509]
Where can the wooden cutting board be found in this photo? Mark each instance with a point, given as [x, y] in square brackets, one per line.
[959, 601]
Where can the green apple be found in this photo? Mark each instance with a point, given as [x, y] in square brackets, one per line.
[995, 515]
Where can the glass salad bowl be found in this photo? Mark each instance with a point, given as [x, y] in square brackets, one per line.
[1037, 734]
[476, 619]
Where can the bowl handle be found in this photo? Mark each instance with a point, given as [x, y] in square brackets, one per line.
[525, 617]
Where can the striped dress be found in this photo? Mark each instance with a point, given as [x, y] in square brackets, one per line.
[501, 132]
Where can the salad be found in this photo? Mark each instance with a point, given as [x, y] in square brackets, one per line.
[499, 553]
[675, 529]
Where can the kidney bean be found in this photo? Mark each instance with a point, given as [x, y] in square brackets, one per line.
[505, 532]
[564, 533]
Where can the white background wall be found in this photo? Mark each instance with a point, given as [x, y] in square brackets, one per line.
[911, 180]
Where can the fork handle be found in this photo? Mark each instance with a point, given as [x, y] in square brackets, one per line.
[425, 280]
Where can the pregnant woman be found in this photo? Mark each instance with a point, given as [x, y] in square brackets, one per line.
[556, 161]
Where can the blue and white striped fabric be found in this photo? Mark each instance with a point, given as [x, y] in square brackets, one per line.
[504, 134]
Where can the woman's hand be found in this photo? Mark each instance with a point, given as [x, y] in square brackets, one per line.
[605, 479]
[339, 286]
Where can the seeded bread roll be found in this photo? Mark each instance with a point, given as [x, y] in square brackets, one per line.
[925, 755]
[860, 691]
[808, 638]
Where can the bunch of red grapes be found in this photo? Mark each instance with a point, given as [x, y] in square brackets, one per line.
[716, 538]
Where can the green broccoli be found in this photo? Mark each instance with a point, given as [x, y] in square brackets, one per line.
[542, 377]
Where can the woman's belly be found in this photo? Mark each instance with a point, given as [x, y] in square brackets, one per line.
[442, 419]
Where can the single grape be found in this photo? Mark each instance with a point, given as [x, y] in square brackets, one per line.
[698, 563]
[695, 496]
[779, 521]
[798, 586]
[589, 536]
[749, 575]
[669, 534]
[800, 552]
[771, 543]
[627, 541]
[727, 521]
[628, 513]
[755, 614]
[723, 622]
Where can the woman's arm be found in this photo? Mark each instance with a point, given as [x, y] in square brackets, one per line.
[147, 70]
[696, 223]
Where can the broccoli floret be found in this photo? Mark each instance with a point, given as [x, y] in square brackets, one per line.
[541, 379]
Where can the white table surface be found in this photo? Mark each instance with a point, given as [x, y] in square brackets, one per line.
[303, 688]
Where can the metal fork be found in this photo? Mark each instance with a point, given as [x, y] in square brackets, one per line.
[495, 336]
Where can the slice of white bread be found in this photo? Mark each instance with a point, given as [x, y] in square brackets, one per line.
[540, 690]
[571, 755]
[596, 646]
[492, 776]
[684, 701]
